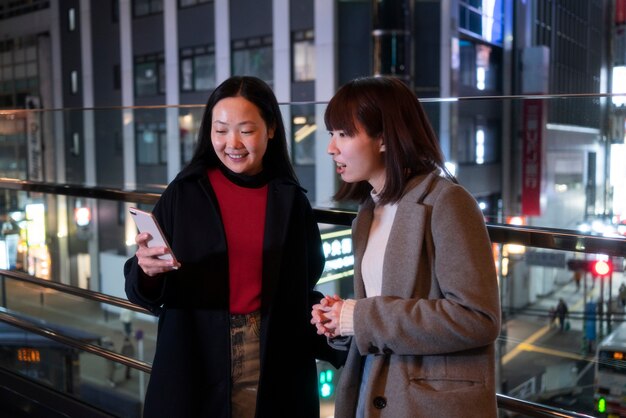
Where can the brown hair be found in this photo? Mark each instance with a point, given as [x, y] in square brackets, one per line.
[386, 107]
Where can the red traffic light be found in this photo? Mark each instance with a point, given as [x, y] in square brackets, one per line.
[601, 268]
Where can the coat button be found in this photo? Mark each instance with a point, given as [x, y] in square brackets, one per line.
[373, 349]
[380, 402]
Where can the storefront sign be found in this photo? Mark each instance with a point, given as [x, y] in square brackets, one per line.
[532, 157]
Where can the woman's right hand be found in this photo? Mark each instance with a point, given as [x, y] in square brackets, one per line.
[147, 257]
[325, 315]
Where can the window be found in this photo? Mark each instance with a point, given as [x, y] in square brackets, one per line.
[147, 7]
[480, 66]
[149, 75]
[19, 74]
[303, 56]
[478, 141]
[74, 82]
[151, 140]
[189, 122]
[71, 19]
[75, 145]
[197, 68]
[254, 57]
[482, 18]
[189, 3]
[303, 128]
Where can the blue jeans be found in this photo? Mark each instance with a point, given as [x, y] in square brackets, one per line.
[245, 363]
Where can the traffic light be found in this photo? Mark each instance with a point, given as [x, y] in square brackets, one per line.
[602, 405]
[326, 384]
[597, 268]
[600, 268]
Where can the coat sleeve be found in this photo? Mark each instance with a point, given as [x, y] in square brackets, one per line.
[457, 307]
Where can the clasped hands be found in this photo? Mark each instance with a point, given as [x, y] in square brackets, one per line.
[325, 316]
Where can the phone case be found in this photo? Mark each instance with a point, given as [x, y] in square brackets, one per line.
[146, 222]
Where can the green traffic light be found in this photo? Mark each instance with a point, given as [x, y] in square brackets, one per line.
[326, 390]
[602, 405]
[326, 383]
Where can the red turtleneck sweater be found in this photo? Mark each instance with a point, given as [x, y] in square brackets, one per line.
[243, 216]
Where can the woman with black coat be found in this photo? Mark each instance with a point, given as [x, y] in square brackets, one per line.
[234, 335]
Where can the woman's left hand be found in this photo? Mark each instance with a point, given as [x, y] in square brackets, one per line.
[325, 316]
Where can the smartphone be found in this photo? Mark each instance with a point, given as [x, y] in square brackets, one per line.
[146, 222]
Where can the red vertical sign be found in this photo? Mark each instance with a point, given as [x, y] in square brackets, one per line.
[532, 157]
[620, 12]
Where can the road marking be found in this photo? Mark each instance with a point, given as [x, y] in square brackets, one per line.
[527, 342]
[550, 351]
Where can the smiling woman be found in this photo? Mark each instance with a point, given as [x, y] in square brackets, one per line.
[239, 135]
[249, 255]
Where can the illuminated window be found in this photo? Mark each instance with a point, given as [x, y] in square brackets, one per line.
[71, 19]
[482, 18]
[74, 81]
[479, 66]
[303, 56]
[619, 85]
[303, 127]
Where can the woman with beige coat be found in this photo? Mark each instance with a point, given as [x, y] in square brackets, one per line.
[421, 327]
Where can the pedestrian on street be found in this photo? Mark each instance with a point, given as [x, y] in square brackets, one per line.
[126, 317]
[578, 274]
[561, 313]
[128, 350]
[107, 343]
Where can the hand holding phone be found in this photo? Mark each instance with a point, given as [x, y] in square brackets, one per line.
[146, 222]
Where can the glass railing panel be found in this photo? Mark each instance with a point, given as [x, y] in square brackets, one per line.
[83, 318]
[549, 161]
[112, 386]
[100, 382]
[544, 358]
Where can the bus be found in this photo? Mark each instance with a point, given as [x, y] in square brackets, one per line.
[610, 379]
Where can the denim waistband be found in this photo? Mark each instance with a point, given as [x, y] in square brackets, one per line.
[240, 320]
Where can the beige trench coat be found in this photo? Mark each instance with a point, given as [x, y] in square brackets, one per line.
[432, 330]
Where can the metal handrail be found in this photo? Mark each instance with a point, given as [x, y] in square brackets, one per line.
[538, 237]
[73, 290]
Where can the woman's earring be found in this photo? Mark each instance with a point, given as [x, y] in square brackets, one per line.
[382, 148]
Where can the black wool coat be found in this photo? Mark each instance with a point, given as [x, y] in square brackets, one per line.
[191, 368]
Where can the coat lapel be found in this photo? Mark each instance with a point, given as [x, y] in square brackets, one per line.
[405, 243]
[406, 239]
[360, 233]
